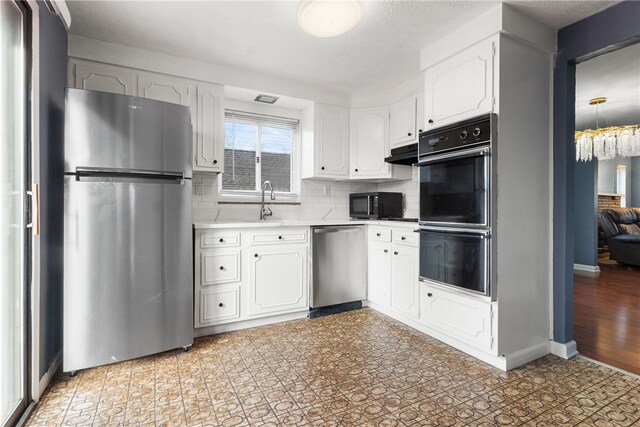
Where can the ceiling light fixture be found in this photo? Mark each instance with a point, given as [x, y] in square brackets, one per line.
[607, 142]
[329, 18]
[267, 99]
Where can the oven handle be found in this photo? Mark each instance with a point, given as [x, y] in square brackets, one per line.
[459, 231]
[471, 152]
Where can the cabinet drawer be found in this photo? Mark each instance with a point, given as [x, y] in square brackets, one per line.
[219, 267]
[219, 305]
[279, 236]
[405, 237]
[466, 319]
[380, 234]
[219, 239]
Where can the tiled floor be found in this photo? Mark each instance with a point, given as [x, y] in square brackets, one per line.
[353, 369]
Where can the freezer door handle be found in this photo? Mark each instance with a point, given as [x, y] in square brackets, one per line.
[113, 173]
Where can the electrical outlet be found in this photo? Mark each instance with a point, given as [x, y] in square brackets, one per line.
[326, 189]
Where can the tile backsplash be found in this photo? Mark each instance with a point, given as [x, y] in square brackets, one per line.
[314, 203]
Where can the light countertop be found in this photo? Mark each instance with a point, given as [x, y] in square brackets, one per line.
[300, 223]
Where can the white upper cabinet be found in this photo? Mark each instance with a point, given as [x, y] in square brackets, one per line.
[369, 143]
[461, 86]
[208, 149]
[332, 141]
[104, 79]
[167, 89]
[325, 142]
[403, 122]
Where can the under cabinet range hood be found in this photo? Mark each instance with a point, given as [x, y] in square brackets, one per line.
[407, 155]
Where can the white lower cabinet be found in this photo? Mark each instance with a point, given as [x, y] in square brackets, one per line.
[405, 293]
[278, 278]
[466, 319]
[393, 270]
[218, 304]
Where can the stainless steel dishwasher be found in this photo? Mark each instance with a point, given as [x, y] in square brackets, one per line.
[339, 266]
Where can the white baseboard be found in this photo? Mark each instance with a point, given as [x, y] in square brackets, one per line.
[48, 376]
[589, 268]
[527, 355]
[245, 324]
[566, 350]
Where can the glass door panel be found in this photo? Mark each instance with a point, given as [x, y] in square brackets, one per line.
[14, 247]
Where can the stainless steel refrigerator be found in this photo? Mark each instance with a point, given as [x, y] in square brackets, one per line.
[128, 287]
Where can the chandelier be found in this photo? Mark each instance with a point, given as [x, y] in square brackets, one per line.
[607, 142]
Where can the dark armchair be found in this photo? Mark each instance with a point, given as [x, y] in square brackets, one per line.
[621, 228]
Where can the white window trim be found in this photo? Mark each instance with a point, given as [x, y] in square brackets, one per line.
[254, 196]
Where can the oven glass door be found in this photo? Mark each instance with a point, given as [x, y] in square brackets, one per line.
[454, 189]
[455, 259]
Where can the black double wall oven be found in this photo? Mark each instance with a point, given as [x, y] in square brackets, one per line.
[455, 204]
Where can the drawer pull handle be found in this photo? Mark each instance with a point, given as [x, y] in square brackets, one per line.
[395, 252]
[403, 238]
[221, 268]
[377, 234]
[221, 240]
[386, 251]
[280, 237]
[255, 255]
[429, 294]
[221, 305]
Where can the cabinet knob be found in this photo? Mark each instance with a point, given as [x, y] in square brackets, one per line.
[395, 252]
[430, 120]
[221, 240]
[419, 130]
[429, 294]
[403, 238]
[386, 251]
[409, 134]
[322, 168]
[221, 305]
[356, 170]
[221, 268]
[377, 234]
[215, 162]
[280, 237]
[255, 255]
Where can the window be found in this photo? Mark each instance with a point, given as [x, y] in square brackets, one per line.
[621, 184]
[258, 148]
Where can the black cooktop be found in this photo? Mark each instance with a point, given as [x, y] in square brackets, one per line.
[401, 219]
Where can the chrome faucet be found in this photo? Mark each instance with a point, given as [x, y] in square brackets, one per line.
[265, 210]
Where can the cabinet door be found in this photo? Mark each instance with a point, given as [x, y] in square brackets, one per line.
[466, 319]
[105, 79]
[208, 135]
[379, 273]
[277, 278]
[403, 122]
[332, 142]
[370, 143]
[460, 87]
[162, 88]
[405, 292]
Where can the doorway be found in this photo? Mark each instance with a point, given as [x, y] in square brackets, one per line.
[606, 291]
[15, 178]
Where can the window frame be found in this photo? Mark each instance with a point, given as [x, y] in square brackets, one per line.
[254, 196]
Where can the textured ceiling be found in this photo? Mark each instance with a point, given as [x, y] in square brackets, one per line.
[263, 36]
[616, 76]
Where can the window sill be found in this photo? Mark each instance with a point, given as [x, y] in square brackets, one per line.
[255, 199]
[266, 202]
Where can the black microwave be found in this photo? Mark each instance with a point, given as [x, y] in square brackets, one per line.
[375, 205]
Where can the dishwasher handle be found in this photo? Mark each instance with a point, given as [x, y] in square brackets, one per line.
[327, 230]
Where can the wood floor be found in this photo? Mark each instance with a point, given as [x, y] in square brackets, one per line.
[606, 320]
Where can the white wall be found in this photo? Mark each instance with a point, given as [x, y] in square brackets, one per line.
[411, 191]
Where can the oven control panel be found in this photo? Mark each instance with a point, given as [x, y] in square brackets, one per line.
[468, 133]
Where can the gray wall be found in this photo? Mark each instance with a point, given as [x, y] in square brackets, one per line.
[586, 203]
[53, 77]
[634, 197]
